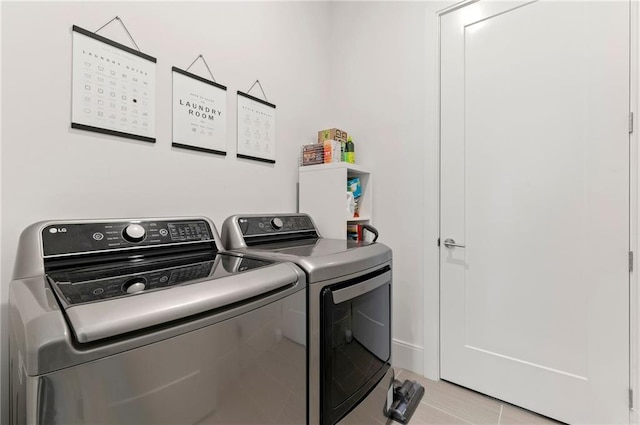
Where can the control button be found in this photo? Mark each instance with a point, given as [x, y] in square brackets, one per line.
[98, 291]
[261, 225]
[277, 223]
[98, 236]
[134, 233]
[134, 285]
[164, 279]
[163, 232]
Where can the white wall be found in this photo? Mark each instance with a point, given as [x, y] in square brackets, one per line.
[50, 171]
[380, 82]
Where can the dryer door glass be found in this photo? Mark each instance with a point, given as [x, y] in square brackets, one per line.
[356, 342]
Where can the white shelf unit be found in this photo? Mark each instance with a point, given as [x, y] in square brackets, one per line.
[323, 195]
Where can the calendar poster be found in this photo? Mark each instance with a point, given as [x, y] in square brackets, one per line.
[199, 113]
[256, 129]
[113, 88]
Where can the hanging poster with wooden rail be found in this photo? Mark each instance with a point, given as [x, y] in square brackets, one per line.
[113, 88]
[256, 129]
[199, 113]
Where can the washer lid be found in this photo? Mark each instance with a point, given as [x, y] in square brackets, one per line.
[103, 281]
[130, 301]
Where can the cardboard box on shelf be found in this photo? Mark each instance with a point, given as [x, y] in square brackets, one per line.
[312, 154]
[332, 134]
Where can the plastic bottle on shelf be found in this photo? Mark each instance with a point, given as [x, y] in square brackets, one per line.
[351, 205]
[350, 151]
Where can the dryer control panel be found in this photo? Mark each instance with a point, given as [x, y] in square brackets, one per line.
[273, 224]
[86, 237]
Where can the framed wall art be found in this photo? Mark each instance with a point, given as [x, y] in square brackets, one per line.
[199, 113]
[256, 137]
[113, 88]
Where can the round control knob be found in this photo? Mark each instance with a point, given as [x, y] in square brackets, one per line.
[134, 285]
[134, 233]
[277, 223]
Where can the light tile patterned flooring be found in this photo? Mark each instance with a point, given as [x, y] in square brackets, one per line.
[444, 404]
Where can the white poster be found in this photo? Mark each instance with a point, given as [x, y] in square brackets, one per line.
[256, 128]
[199, 113]
[113, 88]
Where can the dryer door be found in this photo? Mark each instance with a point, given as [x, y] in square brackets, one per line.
[355, 341]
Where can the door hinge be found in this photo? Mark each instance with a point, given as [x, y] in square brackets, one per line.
[630, 398]
[438, 241]
[630, 261]
[630, 122]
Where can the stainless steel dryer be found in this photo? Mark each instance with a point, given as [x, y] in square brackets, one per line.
[144, 321]
[349, 316]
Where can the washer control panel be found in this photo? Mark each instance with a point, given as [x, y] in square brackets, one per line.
[79, 238]
[265, 225]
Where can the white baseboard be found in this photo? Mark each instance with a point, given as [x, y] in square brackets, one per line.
[407, 356]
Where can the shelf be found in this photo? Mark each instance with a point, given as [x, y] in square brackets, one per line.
[358, 219]
[351, 168]
[322, 194]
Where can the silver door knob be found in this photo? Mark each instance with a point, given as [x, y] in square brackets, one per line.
[450, 243]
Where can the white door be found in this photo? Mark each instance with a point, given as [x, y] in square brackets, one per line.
[535, 186]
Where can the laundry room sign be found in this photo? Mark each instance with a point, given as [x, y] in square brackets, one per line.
[113, 88]
[199, 113]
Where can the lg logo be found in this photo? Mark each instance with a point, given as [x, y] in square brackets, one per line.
[58, 230]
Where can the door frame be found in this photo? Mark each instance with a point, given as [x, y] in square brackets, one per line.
[634, 213]
[431, 218]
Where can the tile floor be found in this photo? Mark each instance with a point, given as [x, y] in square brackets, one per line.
[444, 403]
